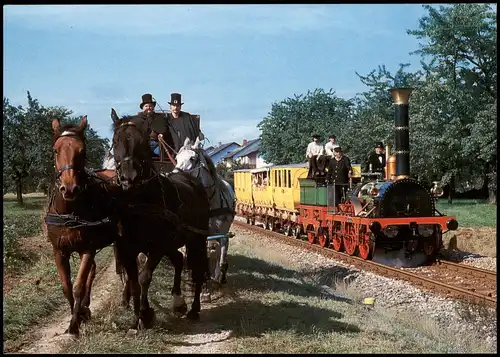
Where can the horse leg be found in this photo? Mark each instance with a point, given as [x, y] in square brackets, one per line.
[85, 313]
[86, 260]
[224, 247]
[133, 288]
[62, 263]
[179, 304]
[120, 271]
[199, 271]
[146, 314]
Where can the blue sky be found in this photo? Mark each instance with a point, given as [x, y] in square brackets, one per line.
[230, 62]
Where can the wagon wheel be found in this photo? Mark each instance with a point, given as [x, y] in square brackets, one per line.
[271, 224]
[252, 221]
[338, 244]
[367, 247]
[298, 230]
[323, 237]
[311, 236]
[288, 230]
[349, 241]
[248, 220]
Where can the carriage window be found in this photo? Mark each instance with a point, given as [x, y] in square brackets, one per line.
[275, 173]
[285, 181]
[265, 179]
[279, 178]
[289, 178]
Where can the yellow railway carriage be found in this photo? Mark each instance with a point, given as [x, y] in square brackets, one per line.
[243, 192]
[285, 186]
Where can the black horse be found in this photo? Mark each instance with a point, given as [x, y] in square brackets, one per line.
[160, 215]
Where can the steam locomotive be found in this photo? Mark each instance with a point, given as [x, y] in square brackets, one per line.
[391, 212]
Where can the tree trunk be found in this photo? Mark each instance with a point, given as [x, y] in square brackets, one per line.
[19, 191]
[451, 190]
[492, 196]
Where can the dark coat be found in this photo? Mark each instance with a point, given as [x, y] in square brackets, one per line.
[184, 127]
[338, 171]
[374, 160]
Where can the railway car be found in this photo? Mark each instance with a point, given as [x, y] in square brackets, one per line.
[391, 212]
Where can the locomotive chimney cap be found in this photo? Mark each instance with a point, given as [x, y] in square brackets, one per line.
[401, 95]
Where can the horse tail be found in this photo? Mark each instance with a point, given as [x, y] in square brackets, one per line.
[120, 270]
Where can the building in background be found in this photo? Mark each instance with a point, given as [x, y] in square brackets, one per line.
[248, 154]
[218, 152]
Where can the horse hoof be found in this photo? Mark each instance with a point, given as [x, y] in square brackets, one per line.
[85, 314]
[206, 298]
[180, 309]
[147, 318]
[193, 315]
[125, 304]
[73, 330]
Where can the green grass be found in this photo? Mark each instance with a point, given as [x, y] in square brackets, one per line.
[470, 213]
[20, 222]
[106, 332]
[28, 304]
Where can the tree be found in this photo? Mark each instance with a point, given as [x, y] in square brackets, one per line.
[28, 158]
[289, 126]
[460, 41]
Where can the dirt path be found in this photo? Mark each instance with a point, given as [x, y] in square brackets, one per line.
[51, 338]
[199, 341]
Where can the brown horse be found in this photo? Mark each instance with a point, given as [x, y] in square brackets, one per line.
[163, 213]
[79, 217]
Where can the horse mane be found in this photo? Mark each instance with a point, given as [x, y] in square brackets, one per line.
[211, 166]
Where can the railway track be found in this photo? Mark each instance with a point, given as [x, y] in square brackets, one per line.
[477, 286]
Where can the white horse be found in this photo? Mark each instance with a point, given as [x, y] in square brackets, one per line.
[193, 159]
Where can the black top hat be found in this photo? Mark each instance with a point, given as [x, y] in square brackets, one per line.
[379, 145]
[147, 98]
[175, 99]
[337, 149]
[315, 136]
[332, 137]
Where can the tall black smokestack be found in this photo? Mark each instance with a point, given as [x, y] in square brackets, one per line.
[402, 134]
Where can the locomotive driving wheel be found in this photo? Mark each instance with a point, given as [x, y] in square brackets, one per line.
[367, 246]
[311, 236]
[349, 239]
[323, 237]
[337, 242]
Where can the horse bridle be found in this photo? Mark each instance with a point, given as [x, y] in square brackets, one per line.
[201, 166]
[128, 158]
[66, 167]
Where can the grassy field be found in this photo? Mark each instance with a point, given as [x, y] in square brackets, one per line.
[470, 213]
[270, 307]
[32, 289]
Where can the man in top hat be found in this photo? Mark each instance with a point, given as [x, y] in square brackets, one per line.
[339, 171]
[314, 149]
[376, 161]
[148, 113]
[182, 125]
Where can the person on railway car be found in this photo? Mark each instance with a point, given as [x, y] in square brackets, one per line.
[181, 124]
[376, 161]
[314, 149]
[330, 145]
[339, 171]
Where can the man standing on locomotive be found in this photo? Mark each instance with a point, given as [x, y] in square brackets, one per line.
[376, 161]
[339, 171]
[330, 145]
[181, 124]
[314, 149]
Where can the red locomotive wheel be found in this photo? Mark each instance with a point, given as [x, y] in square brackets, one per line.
[429, 248]
[367, 248]
[337, 242]
[323, 237]
[349, 245]
[311, 236]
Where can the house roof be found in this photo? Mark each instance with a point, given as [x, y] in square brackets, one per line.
[218, 149]
[250, 147]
